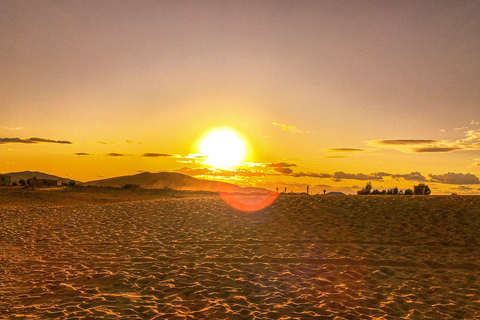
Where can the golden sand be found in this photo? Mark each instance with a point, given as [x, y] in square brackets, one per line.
[304, 257]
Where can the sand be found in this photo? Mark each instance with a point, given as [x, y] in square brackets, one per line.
[304, 257]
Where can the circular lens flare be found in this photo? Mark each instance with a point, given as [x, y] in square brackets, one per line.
[223, 148]
[249, 203]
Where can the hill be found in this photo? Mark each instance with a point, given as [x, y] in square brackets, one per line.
[25, 175]
[173, 180]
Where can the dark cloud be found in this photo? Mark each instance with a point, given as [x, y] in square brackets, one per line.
[283, 170]
[32, 141]
[103, 142]
[345, 150]
[435, 149]
[82, 154]
[400, 142]
[339, 176]
[113, 154]
[281, 165]
[412, 176]
[455, 178]
[155, 155]
[311, 174]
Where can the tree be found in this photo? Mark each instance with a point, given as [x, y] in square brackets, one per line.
[72, 183]
[22, 182]
[366, 190]
[421, 189]
[376, 192]
[408, 192]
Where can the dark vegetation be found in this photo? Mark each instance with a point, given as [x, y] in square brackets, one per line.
[420, 189]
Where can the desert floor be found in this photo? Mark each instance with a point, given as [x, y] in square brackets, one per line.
[304, 257]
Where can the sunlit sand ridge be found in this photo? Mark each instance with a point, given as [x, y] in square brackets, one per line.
[198, 258]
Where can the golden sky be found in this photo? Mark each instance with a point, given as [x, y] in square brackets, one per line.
[330, 94]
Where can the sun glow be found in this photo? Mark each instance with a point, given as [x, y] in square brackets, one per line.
[223, 148]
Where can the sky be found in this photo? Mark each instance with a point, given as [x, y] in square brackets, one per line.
[329, 94]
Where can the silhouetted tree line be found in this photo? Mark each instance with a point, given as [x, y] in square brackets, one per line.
[420, 189]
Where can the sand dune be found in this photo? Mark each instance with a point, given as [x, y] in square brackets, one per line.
[325, 257]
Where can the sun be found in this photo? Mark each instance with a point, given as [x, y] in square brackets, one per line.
[223, 148]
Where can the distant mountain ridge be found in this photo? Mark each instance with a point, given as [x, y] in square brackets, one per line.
[25, 175]
[173, 180]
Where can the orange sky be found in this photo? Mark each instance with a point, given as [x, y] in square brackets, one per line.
[330, 94]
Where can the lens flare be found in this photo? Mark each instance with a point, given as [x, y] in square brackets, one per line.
[249, 202]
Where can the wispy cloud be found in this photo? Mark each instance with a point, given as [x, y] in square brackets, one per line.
[288, 128]
[82, 154]
[473, 135]
[461, 128]
[103, 142]
[336, 157]
[113, 154]
[156, 155]
[13, 128]
[474, 122]
[471, 142]
[345, 150]
[435, 149]
[402, 142]
[476, 163]
[32, 141]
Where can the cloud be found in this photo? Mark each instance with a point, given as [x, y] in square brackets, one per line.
[220, 172]
[82, 154]
[476, 163]
[473, 135]
[474, 122]
[339, 176]
[129, 141]
[431, 146]
[281, 165]
[13, 128]
[402, 142]
[462, 128]
[435, 149]
[288, 128]
[311, 174]
[443, 130]
[113, 154]
[463, 188]
[32, 141]
[345, 150]
[283, 170]
[455, 178]
[155, 155]
[103, 142]
[412, 176]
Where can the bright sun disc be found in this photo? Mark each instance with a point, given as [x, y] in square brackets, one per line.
[223, 148]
